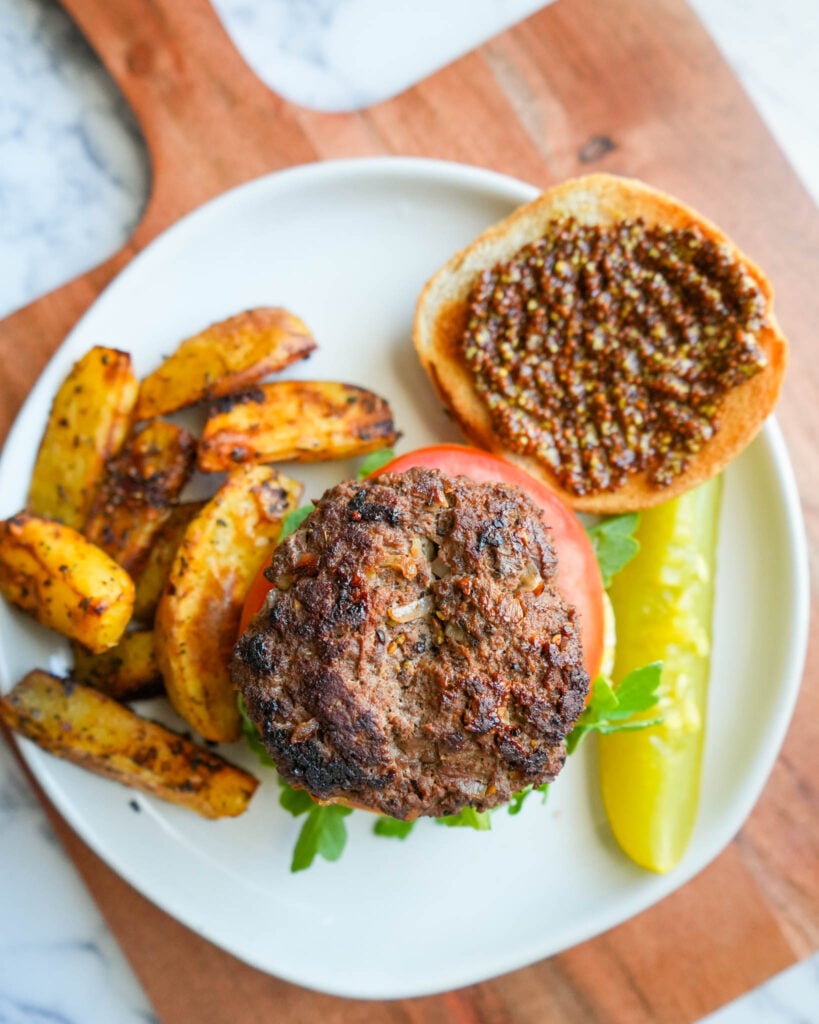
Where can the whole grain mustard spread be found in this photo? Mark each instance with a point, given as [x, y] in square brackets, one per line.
[606, 351]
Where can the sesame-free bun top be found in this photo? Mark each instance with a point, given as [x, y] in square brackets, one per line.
[603, 200]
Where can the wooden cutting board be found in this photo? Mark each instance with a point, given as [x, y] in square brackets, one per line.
[630, 86]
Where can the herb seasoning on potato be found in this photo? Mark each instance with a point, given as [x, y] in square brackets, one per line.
[138, 492]
[224, 358]
[198, 615]
[295, 420]
[88, 424]
[68, 584]
[80, 724]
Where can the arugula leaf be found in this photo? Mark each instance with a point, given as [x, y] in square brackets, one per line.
[614, 543]
[322, 834]
[468, 817]
[611, 710]
[251, 734]
[374, 461]
[515, 805]
[393, 827]
[295, 801]
[638, 691]
[294, 518]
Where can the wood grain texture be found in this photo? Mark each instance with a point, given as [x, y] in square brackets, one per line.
[629, 86]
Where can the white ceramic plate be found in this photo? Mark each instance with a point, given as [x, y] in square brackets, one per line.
[348, 246]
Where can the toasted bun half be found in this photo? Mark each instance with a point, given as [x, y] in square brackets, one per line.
[601, 199]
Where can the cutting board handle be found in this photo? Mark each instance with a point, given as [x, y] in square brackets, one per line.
[208, 121]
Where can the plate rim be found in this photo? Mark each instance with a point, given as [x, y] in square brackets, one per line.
[516, 191]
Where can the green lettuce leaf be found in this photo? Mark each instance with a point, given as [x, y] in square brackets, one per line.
[614, 710]
[374, 461]
[295, 801]
[393, 828]
[515, 805]
[323, 832]
[251, 734]
[467, 818]
[614, 543]
[294, 519]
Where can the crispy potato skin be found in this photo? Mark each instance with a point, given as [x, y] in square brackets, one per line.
[80, 724]
[125, 672]
[198, 616]
[88, 424]
[151, 580]
[307, 421]
[138, 490]
[64, 581]
[228, 356]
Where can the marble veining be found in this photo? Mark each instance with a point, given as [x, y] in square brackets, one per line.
[74, 174]
[347, 54]
[58, 960]
[74, 179]
[73, 170]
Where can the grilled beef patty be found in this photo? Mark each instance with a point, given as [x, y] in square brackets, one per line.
[414, 656]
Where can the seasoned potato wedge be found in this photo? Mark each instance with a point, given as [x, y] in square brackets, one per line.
[64, 581]
[198, 615]
[225, 357]
[88, 424]
[150, 582]
[125, 672]
[80, 724]
[308, 421]
[137, 491]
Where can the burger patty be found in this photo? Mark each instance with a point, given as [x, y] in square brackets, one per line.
[413, 656]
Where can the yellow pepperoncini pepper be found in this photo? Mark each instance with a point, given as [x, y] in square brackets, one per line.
[663, 602]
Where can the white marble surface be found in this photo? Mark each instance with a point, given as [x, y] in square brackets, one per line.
[342, 55]
[73, 181]
[792, 997]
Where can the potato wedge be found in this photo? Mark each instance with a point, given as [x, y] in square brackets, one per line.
[138, 489]
[307, 421]
[64, 581]
[225, 357]
[88, 424]
[80, 724]
[150, 582]
[198, 616]
[125, 672]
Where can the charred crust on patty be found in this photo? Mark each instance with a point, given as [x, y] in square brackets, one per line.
[361, 510]
[252, 650]
[413, 656]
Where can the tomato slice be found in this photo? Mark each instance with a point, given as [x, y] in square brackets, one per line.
[578, 575]
[255, 596]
